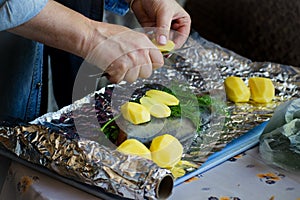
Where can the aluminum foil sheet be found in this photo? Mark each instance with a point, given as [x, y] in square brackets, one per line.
[205, 65]
[86, 161]
[72, 145]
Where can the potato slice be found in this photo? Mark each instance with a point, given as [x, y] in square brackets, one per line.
[236, 89]
[163, 97]
[262, 89]
[135, 113]
[166, 151]
[134, 147]
[156, 108]
[164, 48]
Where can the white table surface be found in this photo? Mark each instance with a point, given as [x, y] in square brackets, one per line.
[244, 177]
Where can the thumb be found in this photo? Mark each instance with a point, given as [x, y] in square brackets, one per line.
[163, 24]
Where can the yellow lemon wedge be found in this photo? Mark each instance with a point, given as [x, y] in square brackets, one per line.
[166, 151]
[156, 108]
[163, 97]
[262, 89]
[135, 113]
[169, 46]
[236, 89]
[134, 147]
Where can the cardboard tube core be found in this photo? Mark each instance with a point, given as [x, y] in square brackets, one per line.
[165, 187]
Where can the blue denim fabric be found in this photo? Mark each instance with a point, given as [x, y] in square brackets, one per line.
[20, 76]
[21, 60]
[119, 7]
[16, 12]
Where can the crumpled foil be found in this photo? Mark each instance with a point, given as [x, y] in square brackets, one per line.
[217, 63]
[85, 160]
[51, 140]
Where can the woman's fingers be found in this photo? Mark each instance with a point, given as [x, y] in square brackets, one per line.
[133, 65]
[157, 59]
[126, 55]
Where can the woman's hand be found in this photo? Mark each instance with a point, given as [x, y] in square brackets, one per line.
[123, 54]
[165, 15]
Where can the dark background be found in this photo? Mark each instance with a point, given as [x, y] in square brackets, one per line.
[261, 30]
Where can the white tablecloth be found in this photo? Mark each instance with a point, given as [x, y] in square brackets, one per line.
[244, 177]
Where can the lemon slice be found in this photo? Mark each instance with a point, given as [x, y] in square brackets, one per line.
[135, 113]
[169, 46]
[134, 147]
[166, 151]
[156, 109]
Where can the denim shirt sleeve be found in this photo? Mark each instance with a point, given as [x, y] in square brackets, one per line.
[119, 7]
[20, 76]
[17, 12]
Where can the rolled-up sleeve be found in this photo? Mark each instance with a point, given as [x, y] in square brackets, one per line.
[16, 12]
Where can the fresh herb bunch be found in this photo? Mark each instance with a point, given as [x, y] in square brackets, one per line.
[191, 106]
[111, 129]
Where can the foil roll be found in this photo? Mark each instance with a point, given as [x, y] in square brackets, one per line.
[88, 162]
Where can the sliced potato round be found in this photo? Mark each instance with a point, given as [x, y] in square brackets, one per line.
[166, 150]
[156, 108]
[135, 113]
[165, 48]
[134, 147]
[163, 97]
[236, 89]
[262, 89]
